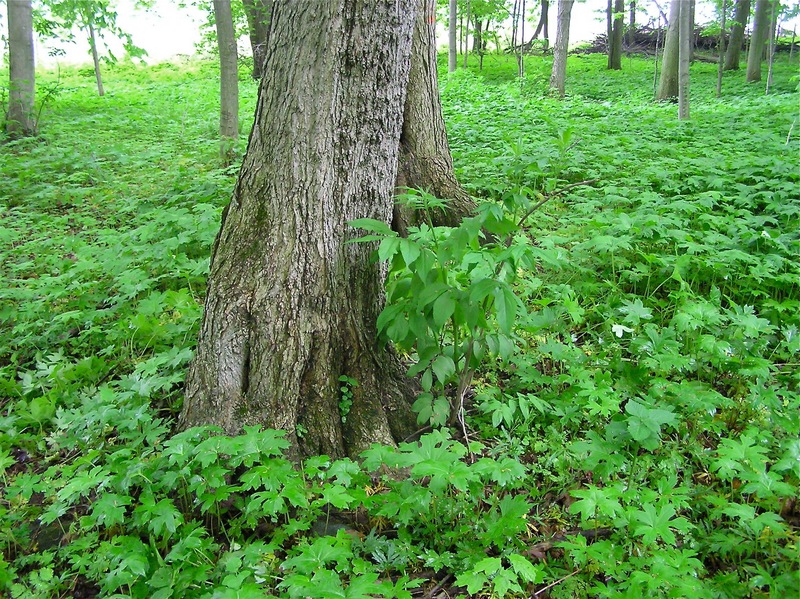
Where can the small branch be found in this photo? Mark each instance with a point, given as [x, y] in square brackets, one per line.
[438, 587]
[559, 581]
[551, 195]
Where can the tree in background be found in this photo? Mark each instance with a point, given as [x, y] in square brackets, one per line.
[94, 18]
[228, 80]
[559, 73]
[686, 31]
[20, 120]
[740, 19]
[425, 161]
[291, 306]
[668, 81]
[615, 28]
[758, 39]
[257, 13]
[452, 38]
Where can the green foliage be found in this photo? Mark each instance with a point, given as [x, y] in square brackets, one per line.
[617, 328]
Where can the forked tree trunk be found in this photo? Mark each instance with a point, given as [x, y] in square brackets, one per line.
[257, 13]
[425, 158]
[758, 40]
[558, 75]
[734, 51]
[291, 306]
[20, 120]
[617, 28]
[668, 82]
[228, 78]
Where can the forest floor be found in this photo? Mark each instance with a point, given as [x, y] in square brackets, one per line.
[635, 427]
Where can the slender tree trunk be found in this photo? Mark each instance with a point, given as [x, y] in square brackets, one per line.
[466, 35]
[741, 17]
[477, 38]
[257, 13]
[632, 23]
[228, 80]
[559, 72]
[95, 58]
[20, 120]
[668, 82]
[686, 32]
[425, 160]
[291, 306]
[758, 40]
[546, 23]
[521, 53]
[452, 61]
[721, 48]
[615, 45]
[692, 9]
[772, 42]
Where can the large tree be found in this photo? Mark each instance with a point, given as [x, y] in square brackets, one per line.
[559, 72]
[291, 306]
[20, 119]
[616, 28]
[425, 161]
[740, 19]
[758, 40]
[668, 80]
[228, 79]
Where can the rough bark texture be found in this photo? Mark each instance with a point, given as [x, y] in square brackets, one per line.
[20, 118]
[558, 75]
[742, 16]
[228, 77]
[668, 81]
[258, 13]
[685, 57]
[615, 42]
[452, 39]
[758, 39]
[425, 160]
[291, 306]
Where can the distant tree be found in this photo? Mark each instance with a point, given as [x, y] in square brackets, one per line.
[686, 31]
[559, 72]
[229, 78]
[258, 13]
[668, 81]
[20, 121]
[452, 37]
[632, 23]
[740, 19]
[615, 39]
[758, 40]
[95, 18]
[291, 306]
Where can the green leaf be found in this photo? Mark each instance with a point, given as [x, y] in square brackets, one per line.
[376, 226]
[443, 309]
[444, 368]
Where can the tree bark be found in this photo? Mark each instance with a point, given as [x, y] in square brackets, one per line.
[20, 120]
[559, 73]
[425, 160]
[291, 306]
[721, 48]
[668, 82]
[733, 54]
[95, 57]
[228, 78]
[758, 39]
[257, 13]
[452, 48]
[632, 23]
[686, 31]
[615, 43]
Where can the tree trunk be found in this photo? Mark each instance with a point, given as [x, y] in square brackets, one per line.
[668, 82]
[758, 40]
[95, 57]
[632, 23]
[686, 31]
[477, 37]
[546, 23]
[721, 48]
[742, 16]
[425, 159]
[559, 72]
[257, 13]
[774, 9]
[228, 78]
[20, 120]
[466, 33]
[452, 49]
[291, 306]
[615, 45]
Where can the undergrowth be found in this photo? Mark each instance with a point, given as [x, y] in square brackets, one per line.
[618, 361]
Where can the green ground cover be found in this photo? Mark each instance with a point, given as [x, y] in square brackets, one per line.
[635, 413]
